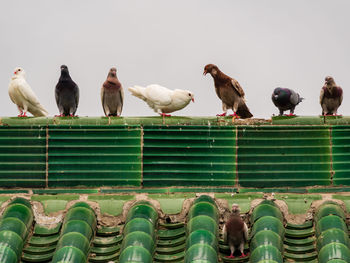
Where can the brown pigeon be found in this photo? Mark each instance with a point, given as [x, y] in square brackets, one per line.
[331, 97]
[229, 91]
[112, 95]
[235, 232]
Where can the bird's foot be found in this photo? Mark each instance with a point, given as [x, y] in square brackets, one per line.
[165, 115]
[230, 256]
[22, 114]
[72, 115]
[291, 115]
[243, 255]
[221, 115]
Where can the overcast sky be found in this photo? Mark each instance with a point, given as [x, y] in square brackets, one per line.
[261, 43]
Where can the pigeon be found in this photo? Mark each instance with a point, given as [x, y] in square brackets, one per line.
[67, 94]
[163, 100]
[112, 95]
[331, 97]
[229, 91]
[22, 95]
[235, 232]
[285, 99]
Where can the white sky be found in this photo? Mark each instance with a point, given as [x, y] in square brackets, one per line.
[261, 43]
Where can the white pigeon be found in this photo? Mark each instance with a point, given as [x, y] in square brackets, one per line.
[22, 95]
[163, 100]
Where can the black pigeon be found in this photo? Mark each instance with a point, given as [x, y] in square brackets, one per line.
[66, 93]
[285, 99]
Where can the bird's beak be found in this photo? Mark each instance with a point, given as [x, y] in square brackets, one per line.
[192, 99]
[205, 72]
[15, 72]
[276, 96]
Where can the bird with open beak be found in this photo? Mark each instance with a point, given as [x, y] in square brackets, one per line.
[235, 232]
[229, 91]
[331, 97]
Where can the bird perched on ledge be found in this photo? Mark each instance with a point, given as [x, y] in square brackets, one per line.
[285, 99]
[331, 97]
[22, 95]
[229, 91]
[112, 95]
[163, 100]
[235, 231]
[66, 94]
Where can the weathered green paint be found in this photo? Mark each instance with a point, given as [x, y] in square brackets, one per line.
[293, 156]
[189, 155]
[22, 156]
[341, 154]
[146, 153]
[298, 204]
[94, 156]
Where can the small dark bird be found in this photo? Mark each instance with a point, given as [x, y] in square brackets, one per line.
[67, 94]
[331, 97]
[229, 91]
[235, 232]
[112, 95]
[285, 99]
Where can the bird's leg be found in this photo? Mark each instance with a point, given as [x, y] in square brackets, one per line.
[234, 109]
[232, 248]
[291, 112]
[241, 248]
[281, 113]
[25, 109]
[224, 108]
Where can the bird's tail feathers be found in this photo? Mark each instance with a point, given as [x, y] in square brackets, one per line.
[137, 91]
[38, 111]
[243, 111]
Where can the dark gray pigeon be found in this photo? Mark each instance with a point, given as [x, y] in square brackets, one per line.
[235, 232]
[112, 94]
[285, 99]
[331, 97]
[66, 93]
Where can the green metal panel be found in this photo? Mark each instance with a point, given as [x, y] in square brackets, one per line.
[341, 154]
[22, 156]
[283, 156]
[189, 155]
[94, 156]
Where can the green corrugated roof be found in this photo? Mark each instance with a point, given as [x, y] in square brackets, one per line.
[143, 228]
[141, 152]
[112, 163]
